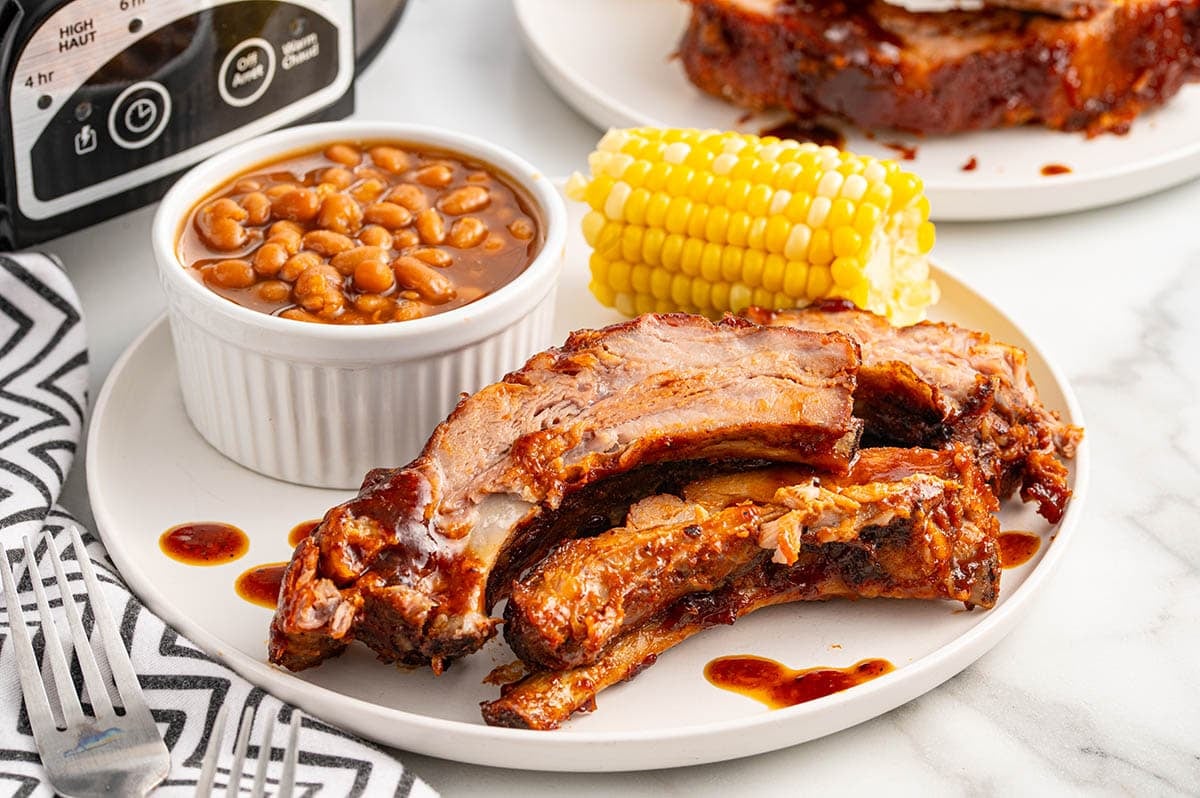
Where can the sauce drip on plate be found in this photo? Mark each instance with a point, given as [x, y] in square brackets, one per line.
[260, 584]
[1052, 169]
[906, 152]
[778, 686]
[815, 132]
[1016, 548]
[302, 530]
[204, 543]
[971, 165]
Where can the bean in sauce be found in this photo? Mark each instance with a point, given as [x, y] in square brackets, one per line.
[362, 233]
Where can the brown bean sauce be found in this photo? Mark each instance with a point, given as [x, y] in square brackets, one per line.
[361, 233]
[260, 584]
[1017, 548]
[204, 543]
[807, 131]
[778, 686]
[302, 530]
[1052, 169]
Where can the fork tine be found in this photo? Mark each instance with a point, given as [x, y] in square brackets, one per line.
[124, 678]
[264, 756]
[36, 703]
[239, 754]
[63, 683]
[287, 780]
[97, 690]
[212, 752]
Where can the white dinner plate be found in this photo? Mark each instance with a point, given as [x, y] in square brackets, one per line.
[611, 60]
[148, 470]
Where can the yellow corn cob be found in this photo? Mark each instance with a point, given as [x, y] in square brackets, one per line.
[710, 222]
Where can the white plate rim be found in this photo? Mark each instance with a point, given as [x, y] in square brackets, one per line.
[900, 686]
[603, 110]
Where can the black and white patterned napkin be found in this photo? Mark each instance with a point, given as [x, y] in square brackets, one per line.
[43, 386]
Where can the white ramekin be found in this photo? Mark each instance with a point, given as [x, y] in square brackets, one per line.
[322, 404]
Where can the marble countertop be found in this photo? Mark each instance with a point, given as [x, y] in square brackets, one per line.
[1098, 690]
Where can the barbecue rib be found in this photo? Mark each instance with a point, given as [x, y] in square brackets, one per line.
[933, 384]
[414, 563]
[588, 591]
[879, 66]
[945, 549]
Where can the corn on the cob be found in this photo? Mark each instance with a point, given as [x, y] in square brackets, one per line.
[710, 222]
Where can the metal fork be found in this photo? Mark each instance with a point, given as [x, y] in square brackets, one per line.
[208, 771]
[108, 753]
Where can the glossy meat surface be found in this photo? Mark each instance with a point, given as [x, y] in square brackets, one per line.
[946, 550]
[881, 67]
[588, 591]
[414, 563]
[934, 384]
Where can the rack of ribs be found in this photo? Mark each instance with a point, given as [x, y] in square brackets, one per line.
[904, 523]
[1091, 66]
[934, 384]
[413, 565]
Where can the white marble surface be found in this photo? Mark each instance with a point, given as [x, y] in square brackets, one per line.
[1099, 690]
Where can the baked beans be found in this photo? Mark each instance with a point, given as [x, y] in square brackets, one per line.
[357, 233]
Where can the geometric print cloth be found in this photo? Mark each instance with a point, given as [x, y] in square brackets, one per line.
[43, 386]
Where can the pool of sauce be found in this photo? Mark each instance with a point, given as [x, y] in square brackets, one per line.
[260, 584]
[1051, 169]
[302, 530]
[1017, 548]
[204, 543]
[778, 686]
[815, 132]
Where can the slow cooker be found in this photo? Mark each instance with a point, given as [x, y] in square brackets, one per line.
[104, 102]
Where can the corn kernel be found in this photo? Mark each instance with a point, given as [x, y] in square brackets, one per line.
[740, 297]
[660, 284]
[774, 272]
[819, 282]
[730, 262]
[639, 278]
[925, 237]
[847, 272]
[739, 229]
[652, 245]
[753, 262]
[778, 228]
[820, 251]
[693, 253]
[846, 242]
[795, 280]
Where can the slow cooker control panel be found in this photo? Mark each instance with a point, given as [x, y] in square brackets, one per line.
[111, 94]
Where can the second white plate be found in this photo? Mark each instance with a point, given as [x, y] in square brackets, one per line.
[148, 470]
[612, 60]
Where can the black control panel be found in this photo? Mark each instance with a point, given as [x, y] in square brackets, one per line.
[107, 107]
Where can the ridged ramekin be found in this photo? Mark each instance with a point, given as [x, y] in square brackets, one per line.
[322, 404]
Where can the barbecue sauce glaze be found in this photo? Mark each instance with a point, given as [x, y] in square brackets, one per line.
[778, 686]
